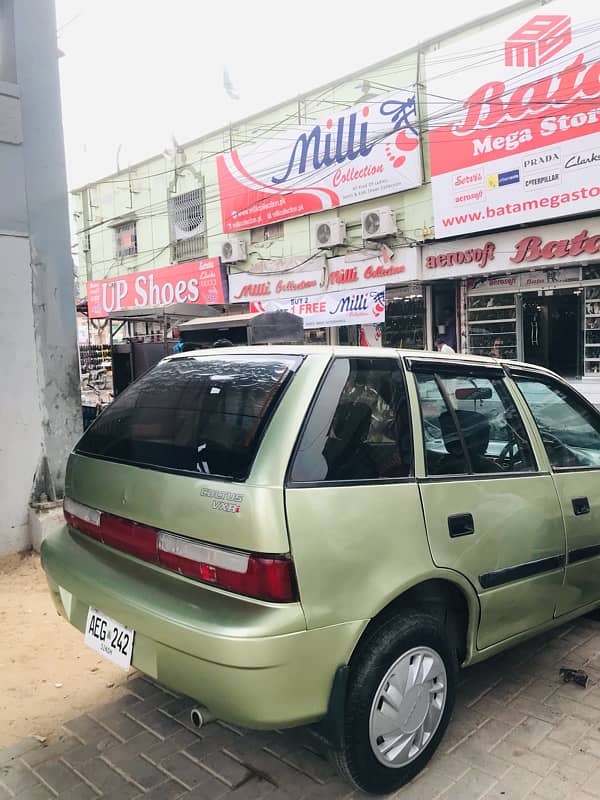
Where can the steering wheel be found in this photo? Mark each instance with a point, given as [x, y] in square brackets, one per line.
[508, 455]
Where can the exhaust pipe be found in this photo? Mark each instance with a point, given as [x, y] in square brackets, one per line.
[200, 717]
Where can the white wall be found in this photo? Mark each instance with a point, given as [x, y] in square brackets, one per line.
[20, 413]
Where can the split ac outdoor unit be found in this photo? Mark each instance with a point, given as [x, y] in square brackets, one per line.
[378, 223]
[233, 250]
[329, 233]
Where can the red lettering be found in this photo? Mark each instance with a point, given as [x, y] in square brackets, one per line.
[492, 104]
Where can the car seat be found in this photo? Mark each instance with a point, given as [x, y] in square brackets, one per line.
[345, 450]
[475, 429]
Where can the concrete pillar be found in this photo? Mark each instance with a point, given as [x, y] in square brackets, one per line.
[40, 406]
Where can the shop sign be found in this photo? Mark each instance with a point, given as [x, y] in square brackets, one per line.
[551, 245]
[520, 141]
[197, 282]
[244, 287]
[366, 151]
[350, 307]
[369, 268]
[525, 281]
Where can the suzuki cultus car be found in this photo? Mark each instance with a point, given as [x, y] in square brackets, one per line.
[322, 536]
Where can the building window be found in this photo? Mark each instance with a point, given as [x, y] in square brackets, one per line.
[188, 225]
[125, 239]
[267, 233]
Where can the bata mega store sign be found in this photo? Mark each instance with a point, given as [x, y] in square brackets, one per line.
[532, 248]
[366, 151]
[522, 141]
[368, 268]
[198, 282]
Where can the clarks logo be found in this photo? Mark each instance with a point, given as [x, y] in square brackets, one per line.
[346, 138]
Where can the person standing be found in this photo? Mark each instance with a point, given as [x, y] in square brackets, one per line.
[442, 347]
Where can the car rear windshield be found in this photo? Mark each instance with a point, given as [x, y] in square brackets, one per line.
[200, 415]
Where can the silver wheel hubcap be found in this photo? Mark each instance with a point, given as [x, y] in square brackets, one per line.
[408, 707]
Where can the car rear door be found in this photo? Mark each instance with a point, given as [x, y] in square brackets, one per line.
[352, 504]
[570, 431]
[491, 513]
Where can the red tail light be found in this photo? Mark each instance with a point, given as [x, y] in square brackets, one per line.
[270, 578]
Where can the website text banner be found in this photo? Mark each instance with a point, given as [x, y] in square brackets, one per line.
[197, 282]
[366, 151]
[352, 307]
[518, 140]
[545, 246]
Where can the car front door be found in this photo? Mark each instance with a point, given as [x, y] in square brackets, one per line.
[491, 513]
[570, 431]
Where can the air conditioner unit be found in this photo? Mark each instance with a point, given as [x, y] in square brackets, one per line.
[329, 233]
[378, 223]
[233, 250]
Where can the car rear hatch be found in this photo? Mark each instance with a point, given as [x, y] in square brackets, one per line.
[163, 474]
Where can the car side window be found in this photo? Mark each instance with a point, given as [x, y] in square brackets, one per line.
[471, 426]
[358, 429]
[569, 429]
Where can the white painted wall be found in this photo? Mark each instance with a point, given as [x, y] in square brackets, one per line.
[40, 404]
[20, 413]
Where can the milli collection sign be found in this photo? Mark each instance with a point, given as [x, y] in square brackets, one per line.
[366, 151]
[348, 307]
[519, 140]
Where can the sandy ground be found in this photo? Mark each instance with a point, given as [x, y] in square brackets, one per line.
[48, 675]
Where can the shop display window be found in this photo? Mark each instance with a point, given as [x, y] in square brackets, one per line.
[404, 319]
[591, 358]
[492, 325]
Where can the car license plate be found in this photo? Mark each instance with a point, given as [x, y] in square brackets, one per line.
[109, 638]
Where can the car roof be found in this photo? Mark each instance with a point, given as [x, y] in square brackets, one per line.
[359, 352]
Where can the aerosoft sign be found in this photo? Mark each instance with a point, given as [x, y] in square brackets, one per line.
[519, 138]
[565, 243]
[198, 282]
[366, 151]
[351, 307]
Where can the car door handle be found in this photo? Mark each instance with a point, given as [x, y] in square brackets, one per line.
[581, 505]
[460, 525]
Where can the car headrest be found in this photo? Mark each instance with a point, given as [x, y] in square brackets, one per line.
[352, 422]
[475, 430]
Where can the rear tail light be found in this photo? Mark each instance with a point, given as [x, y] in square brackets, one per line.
[270, 578]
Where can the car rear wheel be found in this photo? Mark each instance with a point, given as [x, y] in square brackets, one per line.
[400, 697]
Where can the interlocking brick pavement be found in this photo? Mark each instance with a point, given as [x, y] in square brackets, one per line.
[517, 732]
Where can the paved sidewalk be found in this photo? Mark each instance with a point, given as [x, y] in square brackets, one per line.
[517, 732]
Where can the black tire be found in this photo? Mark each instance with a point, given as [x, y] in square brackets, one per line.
[355, 760]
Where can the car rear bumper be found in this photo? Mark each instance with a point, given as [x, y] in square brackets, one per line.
[251, 663]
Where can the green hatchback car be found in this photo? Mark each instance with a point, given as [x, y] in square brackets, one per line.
[324, 536]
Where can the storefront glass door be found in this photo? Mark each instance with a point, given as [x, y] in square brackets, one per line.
[552, 331]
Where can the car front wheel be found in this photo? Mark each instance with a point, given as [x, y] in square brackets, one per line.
[400, 697]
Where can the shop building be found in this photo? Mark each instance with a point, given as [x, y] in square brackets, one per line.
[345, 206]
[531, 294]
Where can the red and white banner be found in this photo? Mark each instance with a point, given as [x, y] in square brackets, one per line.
[558, 245]
[366, 151]
[352, 307]
[518, 138]
[245, 287]
[369, 268]
[198, 282]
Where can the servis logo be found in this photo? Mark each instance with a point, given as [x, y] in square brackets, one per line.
[353, 136]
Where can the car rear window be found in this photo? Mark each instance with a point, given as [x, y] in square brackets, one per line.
[200, 415]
